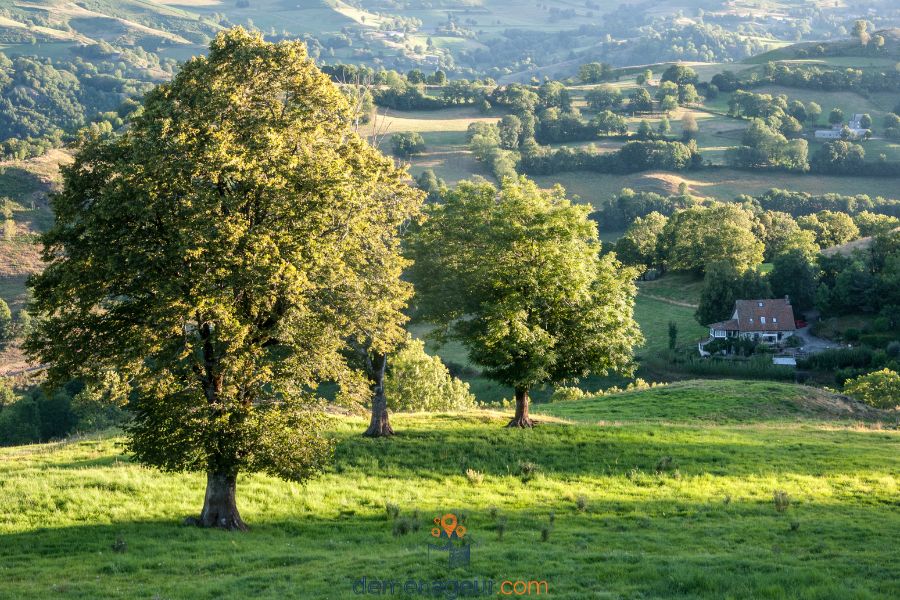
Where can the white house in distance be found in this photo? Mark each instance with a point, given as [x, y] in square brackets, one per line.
[767, 321]
[857, 131]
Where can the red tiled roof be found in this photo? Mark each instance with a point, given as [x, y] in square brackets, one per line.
[760, 315]
[730, 325]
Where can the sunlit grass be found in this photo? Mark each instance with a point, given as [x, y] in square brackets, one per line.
[670, 496]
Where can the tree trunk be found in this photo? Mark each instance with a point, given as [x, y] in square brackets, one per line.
[219, 506]
[379, 425]
[521, 419]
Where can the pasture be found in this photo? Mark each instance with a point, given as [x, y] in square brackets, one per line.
[720, 183]
[695, 490]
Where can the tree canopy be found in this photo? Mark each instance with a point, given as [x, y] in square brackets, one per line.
[217, 255]
[516, 276]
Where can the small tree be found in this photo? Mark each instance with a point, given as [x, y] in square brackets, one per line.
[673, 334]
[407, 144]
[251, 227]
[836, 116]
[419, 382]
[640, 101]
[645, 131]
[517, 277]
[664, 127]
[689, 127]
[880, 389]
[813, 112]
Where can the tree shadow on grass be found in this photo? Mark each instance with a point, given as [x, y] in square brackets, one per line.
[624, 548]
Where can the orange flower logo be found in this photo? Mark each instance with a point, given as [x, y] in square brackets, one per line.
[447, 526]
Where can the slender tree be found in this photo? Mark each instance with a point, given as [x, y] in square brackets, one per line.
[517, 277]
[217, 255]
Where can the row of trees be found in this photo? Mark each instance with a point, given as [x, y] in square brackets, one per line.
[619, 211]
[741, 234]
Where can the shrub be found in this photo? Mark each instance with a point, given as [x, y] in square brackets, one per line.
[832, 360]
[419, 382]
[664, 464]
[564, 393]
[405, 525]
[545, 533]
[527, 470]
[880, 389]
[474, 477]
[581, 503]
[391, 510]
[793, 341]
[782, 500]
[5, 321]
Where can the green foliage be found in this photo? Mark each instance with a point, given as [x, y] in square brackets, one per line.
[781, 234]
[41, 100]
[546, 307]
[763, 147]
[408, 143]
[839, 156]
[640, 244]
[604, 98]
[830, 228]
[723, 284]
[836, 116]
[795, 274]
[255, 232]
[100, 405]
[694, 237]
[680, 75]
[594, 72]
[6, 321]
[419, 382]
[38, 416]
[880, 389]
[7, 395]
[870, 223]
[640, 101]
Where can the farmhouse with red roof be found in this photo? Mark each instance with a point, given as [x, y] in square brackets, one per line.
[767, 321]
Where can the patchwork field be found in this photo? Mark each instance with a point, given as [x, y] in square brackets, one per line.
[731, 489]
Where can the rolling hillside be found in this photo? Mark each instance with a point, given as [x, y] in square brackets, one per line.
[773, 506]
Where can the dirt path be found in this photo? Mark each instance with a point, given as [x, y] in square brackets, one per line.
[668, 300]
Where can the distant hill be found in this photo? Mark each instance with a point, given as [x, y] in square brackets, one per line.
[847, 249]
[845, 48]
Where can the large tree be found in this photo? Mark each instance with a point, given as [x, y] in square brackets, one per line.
[516, 276]
[217, 255]
[694, 237]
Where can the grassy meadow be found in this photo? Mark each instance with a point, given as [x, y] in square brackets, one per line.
[695, 490]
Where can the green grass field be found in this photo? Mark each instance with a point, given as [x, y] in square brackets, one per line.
[663, 493]
[720, 183]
